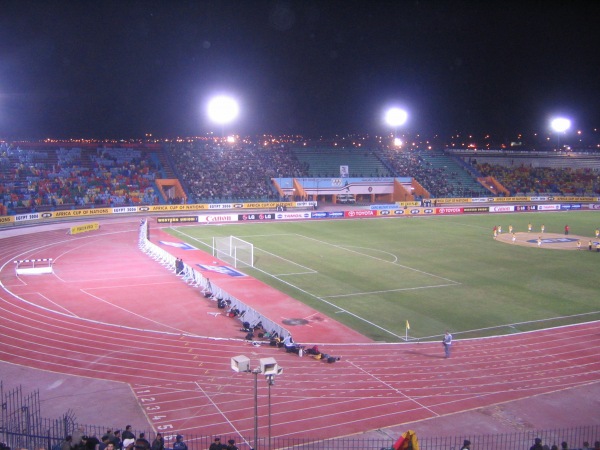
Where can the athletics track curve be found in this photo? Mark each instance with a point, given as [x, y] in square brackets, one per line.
[110, 312]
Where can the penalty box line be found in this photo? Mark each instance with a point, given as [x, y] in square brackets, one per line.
[393, 290]
[323, 300]
[394, 263]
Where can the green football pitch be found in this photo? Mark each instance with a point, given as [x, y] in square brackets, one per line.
[434, 273]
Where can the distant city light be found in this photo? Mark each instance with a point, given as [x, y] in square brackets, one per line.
[560, 124]
[223, 109]
[396, 117]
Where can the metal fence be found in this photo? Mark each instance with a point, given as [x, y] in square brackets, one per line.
[22, 427]
[575, 437]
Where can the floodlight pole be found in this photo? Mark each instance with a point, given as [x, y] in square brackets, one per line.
[269, 368]
[256, 372]
[270, 382]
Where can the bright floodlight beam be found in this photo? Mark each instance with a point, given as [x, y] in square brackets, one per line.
[396, 117]
[223, 109]
[560, 124]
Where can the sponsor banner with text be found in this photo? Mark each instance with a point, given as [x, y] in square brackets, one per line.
[300, 215]
[554, 207]
[456, 210]
[257, 216]
[570, 206]
[458, 200]
[177, 219]
[525, 208]
[408, 204]
[79, 212]
[217, 218]
[26, 217]
[382, 207]
[165, 208]
[475, 209]
[507, 199]
[125, 210]
[327, 215]
[503, 208]
[360, 213]
[84, 228]
[6, 219]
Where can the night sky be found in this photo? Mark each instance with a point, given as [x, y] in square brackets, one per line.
[120, 69]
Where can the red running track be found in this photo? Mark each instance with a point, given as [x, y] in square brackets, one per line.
[111, 312]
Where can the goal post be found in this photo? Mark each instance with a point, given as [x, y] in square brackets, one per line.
[234, 250]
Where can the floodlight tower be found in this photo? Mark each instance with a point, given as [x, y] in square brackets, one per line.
[222, 110]
[396, 117]
[269, 368]
[560, 125]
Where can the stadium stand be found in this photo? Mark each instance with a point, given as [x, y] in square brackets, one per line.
[326, 162]
[42, 177]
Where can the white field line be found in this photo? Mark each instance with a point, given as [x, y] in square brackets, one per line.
[379, 259]
[323, 300]
[308, 269]
[392, 290]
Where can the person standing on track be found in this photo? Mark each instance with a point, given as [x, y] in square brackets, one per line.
[447, 341]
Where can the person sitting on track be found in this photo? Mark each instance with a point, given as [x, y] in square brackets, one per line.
[291, 346]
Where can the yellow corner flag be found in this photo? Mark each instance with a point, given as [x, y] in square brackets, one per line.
[407, 325]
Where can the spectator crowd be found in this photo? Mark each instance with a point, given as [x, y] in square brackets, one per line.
[217, 173]
[34, 180]
[528, 180]
[48, 178]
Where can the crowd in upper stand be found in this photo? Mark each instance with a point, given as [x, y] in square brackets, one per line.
[33, 180]
[526, 180]
[37, 180]
[412, 164]
[215, 173]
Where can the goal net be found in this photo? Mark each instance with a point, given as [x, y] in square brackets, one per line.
[234, 250]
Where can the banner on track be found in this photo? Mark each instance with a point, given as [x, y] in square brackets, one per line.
[84, 228]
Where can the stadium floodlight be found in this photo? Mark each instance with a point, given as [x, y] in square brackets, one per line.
[560, 125]
[223, 109]
[396, 117]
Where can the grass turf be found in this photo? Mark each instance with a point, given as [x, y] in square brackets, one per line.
[437, 273]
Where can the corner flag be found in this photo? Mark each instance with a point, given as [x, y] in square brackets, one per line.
[407, 325]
